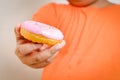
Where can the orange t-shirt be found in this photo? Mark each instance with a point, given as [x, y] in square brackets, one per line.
[92, 36]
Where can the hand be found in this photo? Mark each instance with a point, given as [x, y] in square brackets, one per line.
[35, 55]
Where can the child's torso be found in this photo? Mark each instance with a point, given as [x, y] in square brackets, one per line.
[92, 48]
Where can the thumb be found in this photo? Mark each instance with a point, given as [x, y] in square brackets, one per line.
[17, 32]
[17, 29]
[57, 47]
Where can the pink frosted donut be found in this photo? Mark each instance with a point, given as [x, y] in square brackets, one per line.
[41, 33]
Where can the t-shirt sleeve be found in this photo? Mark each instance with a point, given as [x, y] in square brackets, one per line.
[46, 14]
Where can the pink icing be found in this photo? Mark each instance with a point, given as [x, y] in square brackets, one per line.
[42, 29]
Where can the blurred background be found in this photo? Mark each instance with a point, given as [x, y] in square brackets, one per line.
[13, 12]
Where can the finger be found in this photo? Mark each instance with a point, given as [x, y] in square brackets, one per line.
[40, 65]
[17, 29]
[43, 63]
[28, 48]
[45, 46]
[57, 47]
[28, 60]
[43, 55]
[50, 59]
[17, 52]
[19, 38]
[22, 41]
[17, 32]
[47, 53]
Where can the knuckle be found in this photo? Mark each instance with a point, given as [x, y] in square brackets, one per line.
[40, 65]
[24, 49]
[17, 53]
[43, 56]
[24, 62]
[43, 65]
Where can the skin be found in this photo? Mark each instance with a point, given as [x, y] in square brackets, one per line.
[87, 3]
[35, 55]
[39, 55]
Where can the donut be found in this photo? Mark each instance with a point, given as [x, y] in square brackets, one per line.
[41, 33]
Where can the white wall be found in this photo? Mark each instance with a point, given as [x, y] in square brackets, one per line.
[11, 13]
